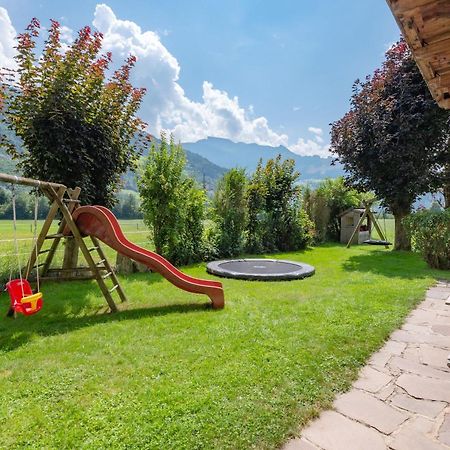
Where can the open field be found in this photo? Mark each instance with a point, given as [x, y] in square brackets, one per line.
[134, 229]
[168, 372]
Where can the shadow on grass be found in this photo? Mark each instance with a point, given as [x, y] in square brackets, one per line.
[64, 314]
[392, 264]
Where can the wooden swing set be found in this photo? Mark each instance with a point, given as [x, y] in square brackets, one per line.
[368, 213]
[63, 201]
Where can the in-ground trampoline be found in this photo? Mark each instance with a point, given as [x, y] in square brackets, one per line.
[260, 269]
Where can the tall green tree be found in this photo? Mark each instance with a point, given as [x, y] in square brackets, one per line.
[392, 139]
[77, 126]
[230, 212]
[276, 220]
[172, 204]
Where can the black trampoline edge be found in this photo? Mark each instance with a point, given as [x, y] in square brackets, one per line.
[305, 270]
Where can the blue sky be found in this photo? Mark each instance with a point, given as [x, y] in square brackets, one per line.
[270, 72]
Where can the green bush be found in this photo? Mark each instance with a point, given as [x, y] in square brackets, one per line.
[210, 240]
[230, 213]
[326, 203]
[430, 235]
[276, 221]
[172, 204]
[192, 214]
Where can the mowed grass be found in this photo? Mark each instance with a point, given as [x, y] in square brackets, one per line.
[167, 372]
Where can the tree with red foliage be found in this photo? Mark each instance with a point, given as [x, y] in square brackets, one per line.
[392, 141]
[77, 127]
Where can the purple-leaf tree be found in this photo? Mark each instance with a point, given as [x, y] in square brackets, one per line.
[393, 139]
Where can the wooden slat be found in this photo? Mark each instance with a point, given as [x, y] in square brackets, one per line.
[45, 228]
[6, 178]
[104, 260]
[434, 51]
[425, 25]
[73, 194]
[401, 6]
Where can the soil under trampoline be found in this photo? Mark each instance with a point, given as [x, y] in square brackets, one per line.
[260, 269]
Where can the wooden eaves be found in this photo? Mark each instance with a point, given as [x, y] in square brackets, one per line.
[425, 24]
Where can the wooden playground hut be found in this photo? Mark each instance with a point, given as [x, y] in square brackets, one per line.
[356, 227]
[349, 220]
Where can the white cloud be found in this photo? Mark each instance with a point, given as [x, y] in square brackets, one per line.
[311, 147]
[66, 34]
[166, 104]
[316, 131]
[7, 40]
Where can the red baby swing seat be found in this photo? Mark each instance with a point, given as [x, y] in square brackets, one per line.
[22, 298]
[21, 295]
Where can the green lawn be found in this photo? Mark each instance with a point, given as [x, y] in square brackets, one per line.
[170, 373]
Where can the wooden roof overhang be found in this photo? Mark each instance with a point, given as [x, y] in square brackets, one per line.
[425, 24]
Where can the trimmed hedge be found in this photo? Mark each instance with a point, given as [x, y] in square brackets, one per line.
[430, 235]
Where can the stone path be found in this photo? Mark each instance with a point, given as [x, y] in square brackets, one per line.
[402, 399]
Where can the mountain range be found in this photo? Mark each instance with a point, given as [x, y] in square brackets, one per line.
[208, 159]
[228, 154]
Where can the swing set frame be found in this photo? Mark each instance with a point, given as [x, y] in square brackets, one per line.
[64, 201]
[368, 213]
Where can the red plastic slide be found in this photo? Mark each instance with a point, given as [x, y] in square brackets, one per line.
[100, 222]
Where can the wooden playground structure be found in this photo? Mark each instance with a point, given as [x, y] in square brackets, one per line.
[368, 214]
[98, 224]
[63, 201]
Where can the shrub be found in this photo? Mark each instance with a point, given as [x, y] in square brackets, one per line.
[172, 204]
[430, 235]
[276, 222]
[210, 241]
[230, 212]
[326, 203]
[190, 248]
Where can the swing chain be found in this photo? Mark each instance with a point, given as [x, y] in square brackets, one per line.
[36, 206]
[16, 243]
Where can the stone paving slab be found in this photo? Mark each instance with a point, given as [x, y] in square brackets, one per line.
[423, 407]
[336, 432]
[365, 408]
[401, 400]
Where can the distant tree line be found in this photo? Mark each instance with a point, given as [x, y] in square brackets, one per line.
[127, 206]
[24, 205]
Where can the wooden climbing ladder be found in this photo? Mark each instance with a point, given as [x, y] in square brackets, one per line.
[65, 201]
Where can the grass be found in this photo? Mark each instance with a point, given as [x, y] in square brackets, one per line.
[134, 229]
[168, 372]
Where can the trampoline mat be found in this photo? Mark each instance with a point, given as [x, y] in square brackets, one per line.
[260, 269]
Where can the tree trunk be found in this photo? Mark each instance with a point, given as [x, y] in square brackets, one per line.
[402, 241]
[446, 186]
[70, 254]
[447, 195]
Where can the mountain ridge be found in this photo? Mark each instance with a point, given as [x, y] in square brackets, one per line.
[229, 154]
